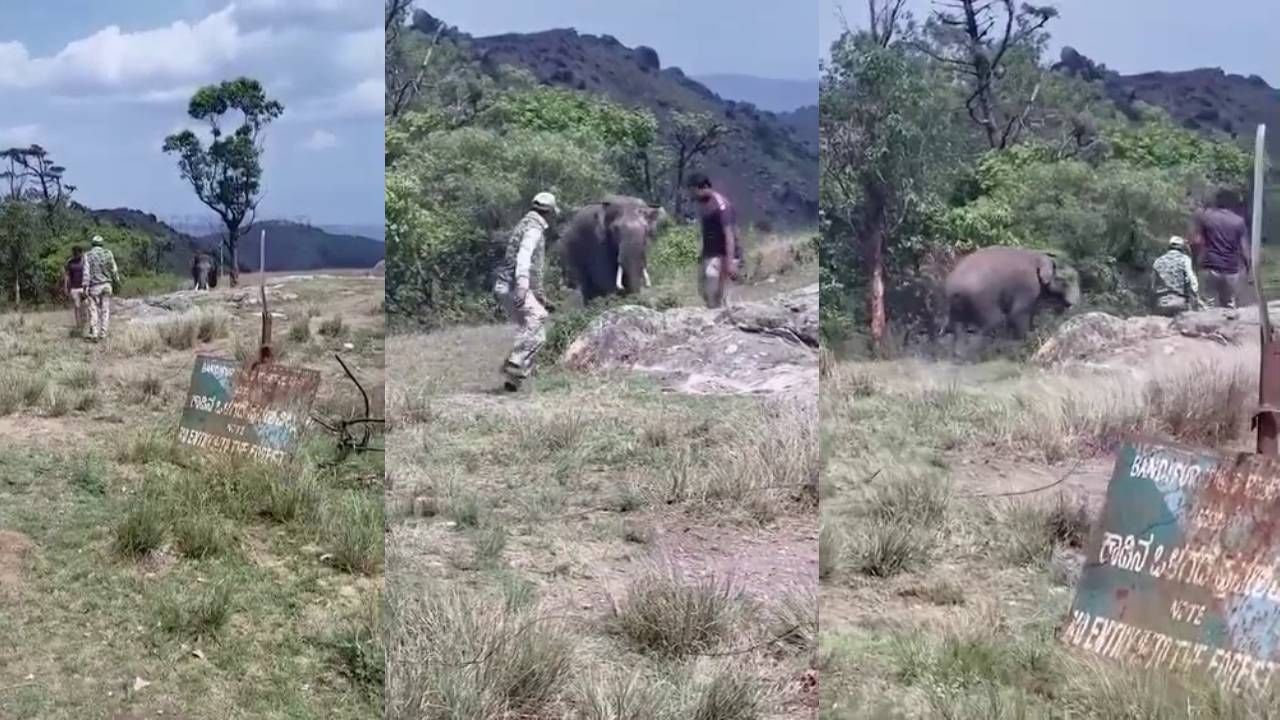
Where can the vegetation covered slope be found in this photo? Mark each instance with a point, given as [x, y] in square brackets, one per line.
[925, 160]
[762, 161]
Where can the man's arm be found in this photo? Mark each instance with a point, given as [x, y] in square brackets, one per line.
[524, 257]
[1193, 285]
[1245, 252]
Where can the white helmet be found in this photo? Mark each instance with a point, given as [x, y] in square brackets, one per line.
[545, 201]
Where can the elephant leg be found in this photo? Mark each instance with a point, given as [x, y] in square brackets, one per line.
[1020, 319]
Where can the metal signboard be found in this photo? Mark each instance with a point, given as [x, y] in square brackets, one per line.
[1182, 571]
[259, 413]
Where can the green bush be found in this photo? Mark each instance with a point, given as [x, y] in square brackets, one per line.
[453, 196]
[675, 252]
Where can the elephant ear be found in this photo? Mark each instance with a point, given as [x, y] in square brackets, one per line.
[1046, 267]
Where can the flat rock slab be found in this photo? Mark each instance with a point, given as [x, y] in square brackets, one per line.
[763, 348]
[1101, 340]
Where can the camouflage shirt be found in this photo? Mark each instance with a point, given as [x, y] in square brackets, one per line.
[99, 267]
[523, 258]
[1174, 280]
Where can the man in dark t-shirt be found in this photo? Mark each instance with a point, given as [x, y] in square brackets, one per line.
[721, 251]
[1221, 238]
[72, 282]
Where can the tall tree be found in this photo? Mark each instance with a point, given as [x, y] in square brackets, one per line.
[227, 175]
[16, 245]
[979, 39]
[45, 176]
[886, 148]
[691, 136]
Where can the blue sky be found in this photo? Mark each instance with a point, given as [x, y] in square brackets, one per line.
[100, 84]
[1134, 36]
[766, 38]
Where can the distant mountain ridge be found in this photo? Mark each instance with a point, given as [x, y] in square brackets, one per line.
[772, 94]
[294, 246]
[290, 246]
[1205, 99]
[766, 166]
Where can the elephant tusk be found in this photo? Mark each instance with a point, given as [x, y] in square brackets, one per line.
[646, 278]
[618, 282]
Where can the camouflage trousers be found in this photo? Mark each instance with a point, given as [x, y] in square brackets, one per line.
[99, 310]
[530, 319]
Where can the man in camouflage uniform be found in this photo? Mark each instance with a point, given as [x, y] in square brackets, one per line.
[518, 288]
[1174, 280]
[100, 274]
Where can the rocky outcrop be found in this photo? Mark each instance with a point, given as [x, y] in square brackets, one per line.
[762, 348]
[1099, 340]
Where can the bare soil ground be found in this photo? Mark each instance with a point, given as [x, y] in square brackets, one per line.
[138, 580]
[956, 498]
[644, 553]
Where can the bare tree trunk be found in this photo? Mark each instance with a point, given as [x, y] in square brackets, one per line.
[874, 238]
[233, 246]
[677, 193]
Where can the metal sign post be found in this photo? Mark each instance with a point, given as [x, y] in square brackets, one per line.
[265, 355]
[1269, 372]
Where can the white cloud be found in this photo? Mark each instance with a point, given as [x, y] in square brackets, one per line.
[362, 53]
[112, 59]
[362, 100]
[320, 14]
[19, 136]
[320, 140]
[366, 98]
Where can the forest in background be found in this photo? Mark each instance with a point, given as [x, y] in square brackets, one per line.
[952, 132]
[471, 140]
[39, 223]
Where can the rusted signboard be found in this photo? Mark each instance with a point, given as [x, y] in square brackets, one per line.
[1183, 569]
[259, 413]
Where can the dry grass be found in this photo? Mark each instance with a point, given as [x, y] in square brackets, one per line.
[943, 603]
[149, 554]
[554, 510]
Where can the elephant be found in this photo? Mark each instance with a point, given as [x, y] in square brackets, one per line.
[997, 287]
[605, 246]
[201, 267]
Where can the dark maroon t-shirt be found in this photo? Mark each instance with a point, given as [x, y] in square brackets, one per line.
[1225, 238]
[75, 272]
[717, 218]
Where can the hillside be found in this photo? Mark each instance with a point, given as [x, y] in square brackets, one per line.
[293, 246]
[764, 166]
[1205, 99]
[804, 122]
[770, 94]
[290, 246]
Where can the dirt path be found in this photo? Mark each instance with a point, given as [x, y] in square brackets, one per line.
[1085, 479]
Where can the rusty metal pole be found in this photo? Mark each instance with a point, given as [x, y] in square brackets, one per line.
[265, 354]
[1269, 371]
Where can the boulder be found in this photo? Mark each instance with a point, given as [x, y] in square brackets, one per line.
[759, 348]
[647, 59]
